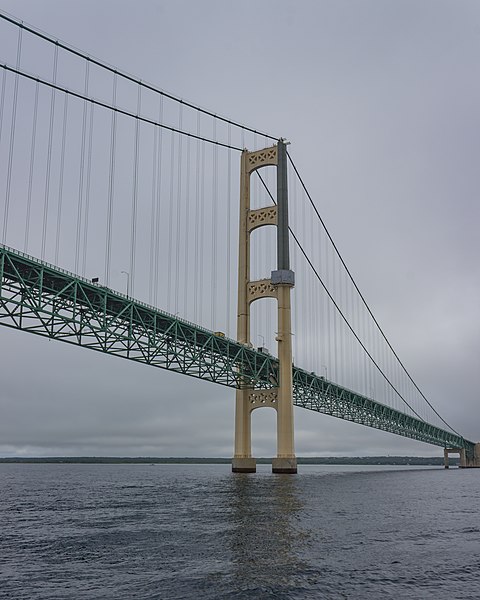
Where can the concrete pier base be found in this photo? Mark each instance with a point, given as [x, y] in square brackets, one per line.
[471, 462]
[467, 460]
[284, 465]
[445, 457]
[244, 465]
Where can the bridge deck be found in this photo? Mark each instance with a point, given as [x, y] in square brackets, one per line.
[48, 301]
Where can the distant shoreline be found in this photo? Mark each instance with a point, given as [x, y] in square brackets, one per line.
[328, 460]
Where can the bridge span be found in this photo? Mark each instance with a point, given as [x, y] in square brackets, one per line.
[42, 299]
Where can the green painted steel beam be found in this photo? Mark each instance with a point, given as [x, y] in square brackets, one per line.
[318, 394]
[48, 301]
[45, 300]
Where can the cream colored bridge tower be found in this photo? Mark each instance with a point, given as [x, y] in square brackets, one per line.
[279, 287]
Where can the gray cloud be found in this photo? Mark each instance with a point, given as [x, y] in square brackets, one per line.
[380, 102]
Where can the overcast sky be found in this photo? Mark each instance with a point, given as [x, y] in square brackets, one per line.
[380, 101]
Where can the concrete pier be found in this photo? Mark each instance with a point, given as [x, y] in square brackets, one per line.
[468, 460]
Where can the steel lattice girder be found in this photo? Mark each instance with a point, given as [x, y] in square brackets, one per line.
[47, 301]
[318, 394]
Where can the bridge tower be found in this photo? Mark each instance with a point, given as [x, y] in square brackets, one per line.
[279, 287]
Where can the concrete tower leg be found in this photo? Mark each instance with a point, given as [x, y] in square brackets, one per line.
[283, 279]
[278, 287]
[445, 458]
[242, 460]
[285, 462]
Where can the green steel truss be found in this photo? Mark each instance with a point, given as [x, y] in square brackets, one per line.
[318, 394]
[48, 301]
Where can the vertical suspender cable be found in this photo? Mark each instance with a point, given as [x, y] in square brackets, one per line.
[335, 325]
[371, 314]
[87, 190]
[158, 211]
[170, 228]
[387, 370]
[153, 220]
[60, 182]
[49, 156]
[361, 355]
[369, 326]
[303, 312]
[82, 171]
[368, 363]
[2, 101]
[392, 376]
[197, 220]
[329, 310]
[228, 229]
[347, 362]
[373, 353]
[186, 256]
[111, 184]
[355, 347]
[135, 195]
[178, 211]
[317, 306]
[381, 361]
[404, 383]
[202, 239]
[312, 313]
[341, 333]
[352, 345]
[32, 163]
[12, 140]
[296, 265]
[378, 357]
[215, 226]
[365, 337]
[323, 321]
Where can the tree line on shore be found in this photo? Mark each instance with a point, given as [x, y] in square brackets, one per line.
[302, 460]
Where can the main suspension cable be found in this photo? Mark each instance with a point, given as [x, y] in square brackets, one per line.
[142, 84]
[363, 299]
[128, 77]
[317, 275]
[116, 108]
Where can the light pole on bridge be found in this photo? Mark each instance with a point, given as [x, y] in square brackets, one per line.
[128, 281]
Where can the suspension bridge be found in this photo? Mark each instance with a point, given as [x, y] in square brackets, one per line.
[109, 183]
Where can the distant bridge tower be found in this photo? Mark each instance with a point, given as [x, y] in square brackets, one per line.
[279, 287]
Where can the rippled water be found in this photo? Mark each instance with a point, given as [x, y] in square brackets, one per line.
[183, 531]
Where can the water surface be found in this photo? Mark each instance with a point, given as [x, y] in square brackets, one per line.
[88, 532]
